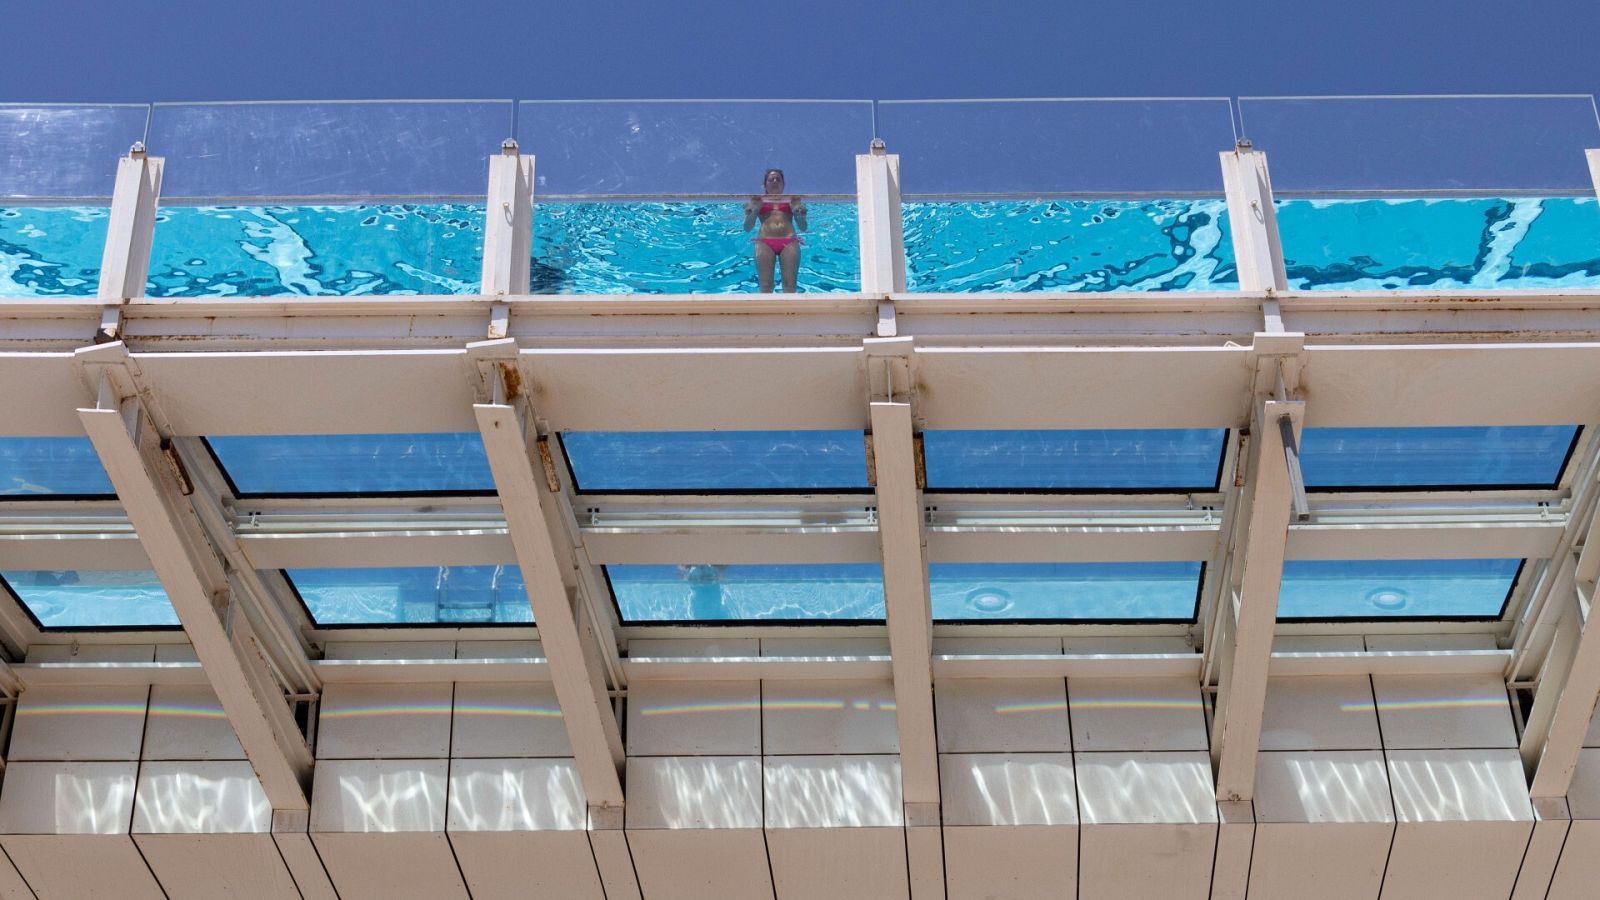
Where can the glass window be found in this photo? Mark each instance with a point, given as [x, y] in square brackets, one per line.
[738, 461]
[1120, 592]
[425, 595]
[52, 467]
[84, 599]
[1168, 459]
[359, 464]
[1365, 458]
[1396, 589]
[707, 594]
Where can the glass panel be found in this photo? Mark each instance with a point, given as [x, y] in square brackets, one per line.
[65, 151]
[1136, 592]
[1171, 459]
[1508, 198]
[630, 165]
[1474, 143]
[427, 595]
[359, 153]
[705, 594]
[51, 155]
[1396, 589]
[412, 148]
[51, 467]
[663, 147]
[1004, 159]
[92, 599]
[332, 464]
[1529, 457]
[343, 250]
[666, 461]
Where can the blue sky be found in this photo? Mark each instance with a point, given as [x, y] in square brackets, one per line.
[88, 50]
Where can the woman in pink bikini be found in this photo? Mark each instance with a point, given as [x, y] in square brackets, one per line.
[776, 242]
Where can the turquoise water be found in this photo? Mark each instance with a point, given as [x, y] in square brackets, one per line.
[698, 247]
[1069, 245]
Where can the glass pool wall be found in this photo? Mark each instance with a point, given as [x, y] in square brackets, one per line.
[679, 247]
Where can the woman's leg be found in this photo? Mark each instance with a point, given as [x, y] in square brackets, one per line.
[765, 259]
[791, 266]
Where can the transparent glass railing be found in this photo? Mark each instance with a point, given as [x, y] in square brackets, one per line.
[1063, 195]
[322, 199]
[58, 164]
[1441, 192]
[650, 197]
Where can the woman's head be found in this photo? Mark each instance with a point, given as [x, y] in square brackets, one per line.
[772, 181]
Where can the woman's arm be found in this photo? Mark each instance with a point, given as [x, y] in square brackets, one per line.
[751, 207]
[797, 208]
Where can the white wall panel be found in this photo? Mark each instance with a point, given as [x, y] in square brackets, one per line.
[1464, 821]
[102, 722]
[379, 827]
[205, 829]
[1125, 714]
[1149, 825]
[1320, 713]
[187, 722]
[65, 826]
[503, 720]
[211, 866]
[518, 829]
[692, 718]
[835, 827]
[694, 826]
[384, 721]
[1420, 712]
[827, 716]
[1010, 825]
[1002, 715]
[1324, 821]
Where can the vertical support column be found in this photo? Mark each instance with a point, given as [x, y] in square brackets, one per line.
[130, 231]
[896, 470]
[1253, 220]
[882, 230]
[150, 481]
[1569, 686]
[508, 223]
[1242, 692]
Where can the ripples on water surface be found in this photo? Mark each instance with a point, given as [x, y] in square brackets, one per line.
[698, 247]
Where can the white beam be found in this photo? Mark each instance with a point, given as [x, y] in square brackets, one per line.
[508, 225]
[1253, 220]
[905, 589]
[1242, 692]
[576, 671]
[196, 582]
[1569, 686]
[882, 230]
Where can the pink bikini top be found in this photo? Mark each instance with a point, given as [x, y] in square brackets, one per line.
[769, 207]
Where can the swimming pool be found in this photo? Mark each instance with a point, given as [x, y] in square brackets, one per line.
[1010, 246]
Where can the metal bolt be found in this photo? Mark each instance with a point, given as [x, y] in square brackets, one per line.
[1245, 144]
[878, 147]
[137, 150]
[508, 147]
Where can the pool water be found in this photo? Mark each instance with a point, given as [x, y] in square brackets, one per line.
[698, 247]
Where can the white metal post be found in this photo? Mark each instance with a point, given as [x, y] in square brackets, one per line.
[151, 488]
[1253, 220]
[130, 232]
[882, 231]
[905, 590]
[508, 223]
[1241, 695]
